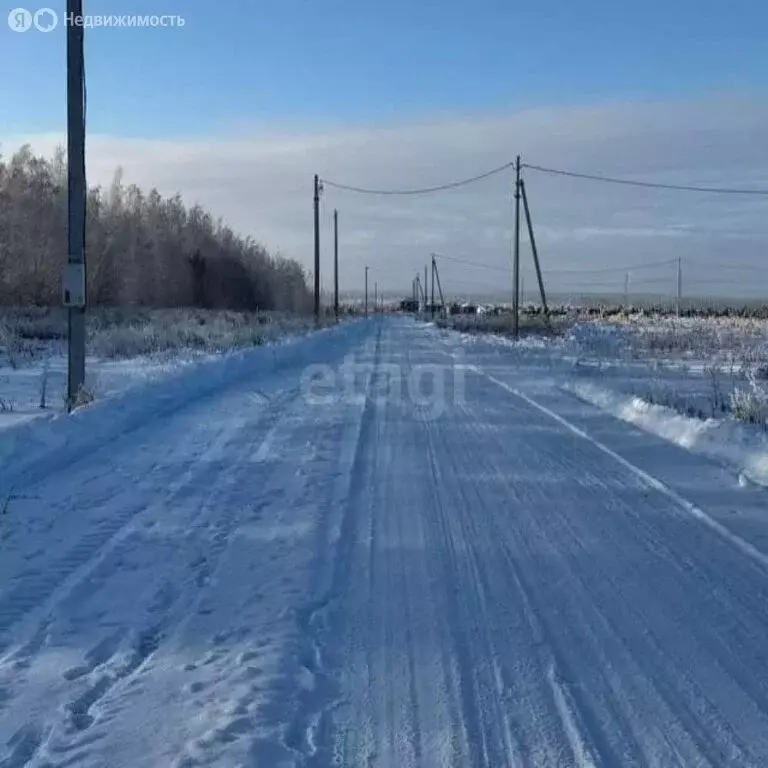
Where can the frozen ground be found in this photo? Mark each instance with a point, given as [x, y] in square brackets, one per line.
[382, 545]
[126, 347]
[44, 380]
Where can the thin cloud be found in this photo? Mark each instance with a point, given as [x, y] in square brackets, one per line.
[262, 186]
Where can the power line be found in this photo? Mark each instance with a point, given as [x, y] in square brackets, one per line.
[610, 270]
[604, 270]
[648, 184]
[597, 271]
[715, 265]
[713, 281]
[423, 190]
[551, 171]
[471, 263]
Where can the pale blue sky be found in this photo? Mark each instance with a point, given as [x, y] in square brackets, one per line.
[330, 61]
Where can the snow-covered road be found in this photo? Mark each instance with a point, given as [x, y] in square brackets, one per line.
[417, 552]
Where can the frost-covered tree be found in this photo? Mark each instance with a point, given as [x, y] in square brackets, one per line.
[142, 249]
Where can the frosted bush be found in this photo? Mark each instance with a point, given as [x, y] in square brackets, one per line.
[750, 405]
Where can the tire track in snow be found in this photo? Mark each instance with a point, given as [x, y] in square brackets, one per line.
[462, 602]
[551, 652]
[218, 516]
[582, 733]
[110, 665]
[104, 672]
[703, 723]
[700, 717]
[487, 718]
[748, 549]
[46, 589]
[307, 732]
[580, 724]
[577, 725]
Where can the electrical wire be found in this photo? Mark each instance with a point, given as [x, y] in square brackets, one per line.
[712, 281]
[604, 270]
[550, 171]
[714, 265]
[419, 191]
[647, 184]
[471, 263]
[555, 273]
[598, 271]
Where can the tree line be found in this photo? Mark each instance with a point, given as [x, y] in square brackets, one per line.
[141, 249]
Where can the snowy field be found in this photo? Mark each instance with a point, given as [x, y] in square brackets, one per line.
[699, 382]
[125, 348]
[383, 544]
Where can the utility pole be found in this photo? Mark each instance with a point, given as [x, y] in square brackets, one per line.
[426, 286]
[516, 300]
[336, 264]
[375, 297]
[317, 249]
[679, 282]
[534, 249]
[432, 301]
[75, 277]
[439, 285]
[420, 291]
[366, 291]
[626, 292]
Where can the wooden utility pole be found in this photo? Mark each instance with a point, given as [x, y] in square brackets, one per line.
[516, 268]
[439, 286]
[336, 264]
[679, 282]
[375, 297]
[366, 291]
[626, 292]
[432, 300]
[317, 249]
[75, 277]
[534, 249]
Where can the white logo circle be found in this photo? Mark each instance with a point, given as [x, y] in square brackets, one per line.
[46, 19]
[19, 19]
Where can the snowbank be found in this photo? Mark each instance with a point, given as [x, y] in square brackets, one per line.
[33, 447]
[722, 439]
